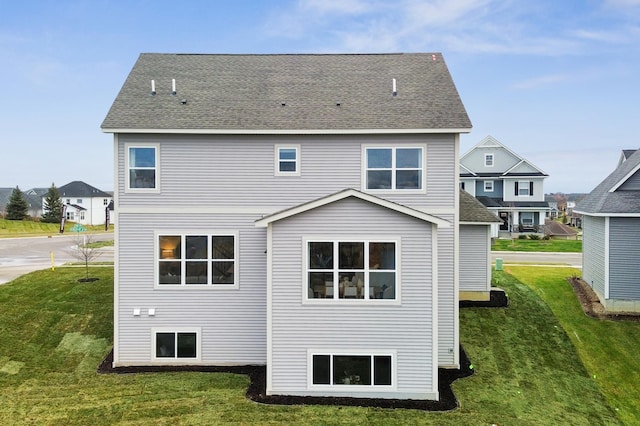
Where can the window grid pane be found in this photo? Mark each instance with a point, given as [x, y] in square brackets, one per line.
[394, 168]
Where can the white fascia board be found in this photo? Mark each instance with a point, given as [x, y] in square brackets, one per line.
[608, 214]
[286, 131]
[261, 223]
[478, 223]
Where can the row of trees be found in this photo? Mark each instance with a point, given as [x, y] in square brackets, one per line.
[18, 206]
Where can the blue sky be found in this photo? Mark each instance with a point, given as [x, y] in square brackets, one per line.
[558, 82]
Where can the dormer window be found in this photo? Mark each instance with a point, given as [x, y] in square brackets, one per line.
[488, 160]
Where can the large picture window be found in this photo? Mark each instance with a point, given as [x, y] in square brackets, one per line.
[352, 370]
[363, 270]
[394, 168]
[197, 260]
[176, 345]
[142, 167]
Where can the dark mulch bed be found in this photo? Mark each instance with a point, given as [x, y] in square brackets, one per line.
[258, 375]
[591, 303]
[497, 299]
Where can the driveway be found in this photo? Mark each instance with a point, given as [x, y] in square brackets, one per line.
[548, 259]
[19, 256]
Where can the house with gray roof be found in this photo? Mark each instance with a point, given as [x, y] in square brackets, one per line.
[83, 203]
[611, 236]
[507, 184]
[296, 211]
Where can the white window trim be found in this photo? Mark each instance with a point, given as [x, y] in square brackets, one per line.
[127, 183]
[493, 160]
[336, 300]
[488, 186]
[176, 360]
[524, 184]
[356, 352]
[276, 169]
[208, 286]
[393, 190]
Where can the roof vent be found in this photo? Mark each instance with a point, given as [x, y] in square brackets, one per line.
[183, 101]
[338, 103]
[153, 87]
[395, 88]
[173, 86]
[283, 103]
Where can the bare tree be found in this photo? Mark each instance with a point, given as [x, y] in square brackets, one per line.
[85, 252]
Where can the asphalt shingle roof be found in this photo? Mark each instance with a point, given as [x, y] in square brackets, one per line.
[288, 92]
[472, 210]
[601, 201]
[81, 190]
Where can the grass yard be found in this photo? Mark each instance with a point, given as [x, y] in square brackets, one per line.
[609, 349]
[561, 246]
[55, 331]
[29, 228]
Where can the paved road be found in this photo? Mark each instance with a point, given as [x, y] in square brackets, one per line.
[19, 256]
[566, 259]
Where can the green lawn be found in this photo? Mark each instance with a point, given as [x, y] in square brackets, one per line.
[29, 228]
[574, 246]
[55, 331]
[609, 349]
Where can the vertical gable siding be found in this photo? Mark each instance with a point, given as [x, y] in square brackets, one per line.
[593, 252]
[210, 171]
[624, 258]
[474, 275]
[232, 321]
[406, 328]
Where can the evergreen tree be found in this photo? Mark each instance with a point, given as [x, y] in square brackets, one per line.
[17, 208]
[52, 206]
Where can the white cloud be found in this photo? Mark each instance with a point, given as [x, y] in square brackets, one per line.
[536, 82]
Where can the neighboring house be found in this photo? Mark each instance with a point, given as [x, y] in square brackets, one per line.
[553, 207]
[611, 236]
[295, 211]
[83, 203]
[506, 184]
[34, 202]
[475, 248]
[559, 231]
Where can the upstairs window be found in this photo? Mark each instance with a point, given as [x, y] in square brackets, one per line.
[488, 160]
[287, 160]
[396, 169]
[197, 260]
[142, 167]
[488, 186]
[523, 188]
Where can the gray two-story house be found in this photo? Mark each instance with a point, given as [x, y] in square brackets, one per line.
[507, 184]
[295, 211]
[611, 236]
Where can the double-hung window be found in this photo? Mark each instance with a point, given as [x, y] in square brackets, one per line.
[523, 188]
[142, 167]
[287, 161]
[355, 270]
[337, 369]
[394, 168]
[488, 186]
[488, 160]
[197, 260]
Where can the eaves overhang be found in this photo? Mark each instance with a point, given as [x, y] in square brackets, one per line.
[286, 131]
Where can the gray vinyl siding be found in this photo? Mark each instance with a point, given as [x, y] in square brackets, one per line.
[502, 160]
[624, 258]
[474, 273]
[593, 252]
[631, 184]
[210, 171]
[232, 321]
[406, 327]
[447, 296]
